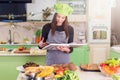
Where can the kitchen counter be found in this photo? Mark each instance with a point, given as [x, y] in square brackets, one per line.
[31, 52]
[83, 75]
[37, 53]
[116, 48]
[12, 50]
[9, 50]
[22, 54]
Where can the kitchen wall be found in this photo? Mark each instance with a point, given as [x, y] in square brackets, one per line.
[115, 23]
[22, 30]
[27, 29]
[19, 31]
[38, 5]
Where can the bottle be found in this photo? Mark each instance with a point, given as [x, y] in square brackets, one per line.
[33, 40]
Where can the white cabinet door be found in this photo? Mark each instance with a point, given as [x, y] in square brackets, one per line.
[98, 53]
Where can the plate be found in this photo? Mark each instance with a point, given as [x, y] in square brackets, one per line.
[20, 68]
[90, 67]
[89, 70]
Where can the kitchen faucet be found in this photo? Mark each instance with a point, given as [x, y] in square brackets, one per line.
[11, 40]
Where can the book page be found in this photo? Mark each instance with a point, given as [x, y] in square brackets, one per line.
[53, 46]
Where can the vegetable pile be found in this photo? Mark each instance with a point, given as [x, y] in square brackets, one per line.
[69, 75]
[38, 32]
[110, 66]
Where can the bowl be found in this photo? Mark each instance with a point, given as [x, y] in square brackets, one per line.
[32, 75]
[105, 71]
[39, 78]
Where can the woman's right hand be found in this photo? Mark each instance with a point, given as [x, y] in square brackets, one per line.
[42, 43]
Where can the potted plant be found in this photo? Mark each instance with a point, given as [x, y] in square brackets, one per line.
[38, 35]
[46, 13]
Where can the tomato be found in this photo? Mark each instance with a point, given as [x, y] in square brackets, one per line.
[112, 68]
[61, 68]
[60, 72]
[66, 68]
[56, 68]
[118, 69]
[103, 65]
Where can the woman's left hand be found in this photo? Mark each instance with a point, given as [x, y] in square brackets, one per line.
[63, 48]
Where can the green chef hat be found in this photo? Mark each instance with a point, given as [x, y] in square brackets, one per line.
[63, 9]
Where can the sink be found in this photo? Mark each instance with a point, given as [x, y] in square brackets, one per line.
[15, 42]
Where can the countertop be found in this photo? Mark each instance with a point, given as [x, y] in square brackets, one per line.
[116, 48]
[83, 75]
[33, 52]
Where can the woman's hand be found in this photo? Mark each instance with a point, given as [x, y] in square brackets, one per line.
[63, 48]
[42, 44]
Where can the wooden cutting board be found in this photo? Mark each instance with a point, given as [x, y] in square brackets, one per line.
[23, 51]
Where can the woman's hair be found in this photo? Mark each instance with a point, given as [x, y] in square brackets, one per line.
[65, 25]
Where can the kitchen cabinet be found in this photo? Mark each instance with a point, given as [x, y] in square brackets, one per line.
[80, 55]
[9, 61]
[8, 65]
[99, 53]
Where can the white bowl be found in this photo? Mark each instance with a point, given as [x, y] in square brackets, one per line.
[39, 78]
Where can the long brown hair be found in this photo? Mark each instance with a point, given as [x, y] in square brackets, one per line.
[65, 25]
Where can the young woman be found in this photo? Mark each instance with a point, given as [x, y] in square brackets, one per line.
[58, 31]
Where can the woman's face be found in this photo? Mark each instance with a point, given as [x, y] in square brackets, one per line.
[60, 19]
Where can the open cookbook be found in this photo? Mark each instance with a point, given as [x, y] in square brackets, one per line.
[53, 46]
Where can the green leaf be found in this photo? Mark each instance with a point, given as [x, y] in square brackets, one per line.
[38, 32]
